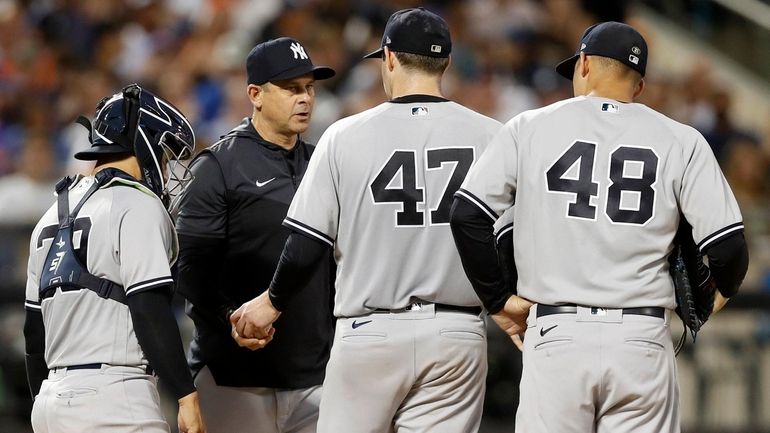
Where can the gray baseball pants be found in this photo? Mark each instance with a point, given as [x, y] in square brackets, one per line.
[228, 409]
[598, 370]
[413, 371]
[112, 399]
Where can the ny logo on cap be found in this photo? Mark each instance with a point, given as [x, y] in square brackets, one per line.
[298, 50]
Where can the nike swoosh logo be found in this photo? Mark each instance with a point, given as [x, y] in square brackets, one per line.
[545, 331]
[357, 324]
[261, 184]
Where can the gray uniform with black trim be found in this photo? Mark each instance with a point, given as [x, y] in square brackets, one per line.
[379, 190]
[599, 187]
[129, 239]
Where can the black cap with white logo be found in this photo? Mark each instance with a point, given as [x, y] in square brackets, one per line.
[282, 59]
[415, 31]
[609, 39]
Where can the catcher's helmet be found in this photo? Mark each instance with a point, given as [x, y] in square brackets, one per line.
[139, 123]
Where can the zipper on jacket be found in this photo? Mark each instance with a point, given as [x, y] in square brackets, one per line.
[290, 167]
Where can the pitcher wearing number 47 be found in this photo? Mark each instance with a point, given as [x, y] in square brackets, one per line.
[379, 191]
[601, 185]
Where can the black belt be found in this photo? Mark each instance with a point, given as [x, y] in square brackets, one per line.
[476, 311]
[98, 365]
[547, 310]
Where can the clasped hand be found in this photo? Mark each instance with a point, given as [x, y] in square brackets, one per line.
[252, 323]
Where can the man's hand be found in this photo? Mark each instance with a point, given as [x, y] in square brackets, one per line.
[719, 302]
[252, 343]
[189, 418]
[254, 319]
[513, 318]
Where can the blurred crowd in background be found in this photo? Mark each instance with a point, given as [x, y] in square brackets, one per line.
[58, 58]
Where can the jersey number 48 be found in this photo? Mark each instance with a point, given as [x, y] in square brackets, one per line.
[632, 174]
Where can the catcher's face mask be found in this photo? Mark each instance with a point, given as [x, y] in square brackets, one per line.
[163, 138]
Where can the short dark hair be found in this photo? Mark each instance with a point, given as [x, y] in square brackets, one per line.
[429, 65]
[620, 69]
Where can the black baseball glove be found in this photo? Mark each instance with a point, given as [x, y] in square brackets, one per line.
[694, 286]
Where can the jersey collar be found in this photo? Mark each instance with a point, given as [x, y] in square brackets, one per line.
[112, 175]
[408, 99]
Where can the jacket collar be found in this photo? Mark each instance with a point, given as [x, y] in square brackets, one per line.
[246, 129]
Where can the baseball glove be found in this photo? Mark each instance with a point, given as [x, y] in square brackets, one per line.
[693, 284]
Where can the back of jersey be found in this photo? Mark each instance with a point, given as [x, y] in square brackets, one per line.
[123, 234]
[382, 187]
[599, 187]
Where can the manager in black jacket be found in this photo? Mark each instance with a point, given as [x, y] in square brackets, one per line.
[231, 238]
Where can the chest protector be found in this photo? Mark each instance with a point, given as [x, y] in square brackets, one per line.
[62, 268]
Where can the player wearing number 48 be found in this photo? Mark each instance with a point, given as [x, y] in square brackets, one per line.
[409, 351]
[601, 185]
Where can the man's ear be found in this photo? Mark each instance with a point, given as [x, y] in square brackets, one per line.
[390, 58]
[639, 88]
[255, 93]
[584, 65]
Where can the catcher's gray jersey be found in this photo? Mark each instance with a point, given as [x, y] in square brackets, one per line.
[383, 200]
[608, 180]
[129, 239]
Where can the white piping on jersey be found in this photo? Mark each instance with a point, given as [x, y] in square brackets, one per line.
[477, 202]
[32, 306]
[305, 230]
[719, 235]
[503, 231]
[149, 284]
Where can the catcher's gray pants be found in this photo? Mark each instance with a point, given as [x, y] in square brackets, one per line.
[228, 409]
[415, 371]
[112, 399]
[598, 370]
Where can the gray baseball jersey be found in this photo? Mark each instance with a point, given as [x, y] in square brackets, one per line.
[111, 227]
[382, 200]
[620, 171]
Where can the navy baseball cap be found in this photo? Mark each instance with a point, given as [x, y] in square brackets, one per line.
[282, 59]
[609, 39]
[415, 31]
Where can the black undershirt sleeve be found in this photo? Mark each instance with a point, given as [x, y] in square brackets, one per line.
[506, 261]
[34, 341]
[301, 254]
[728, 260]
[475, 241]
[158, 335]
